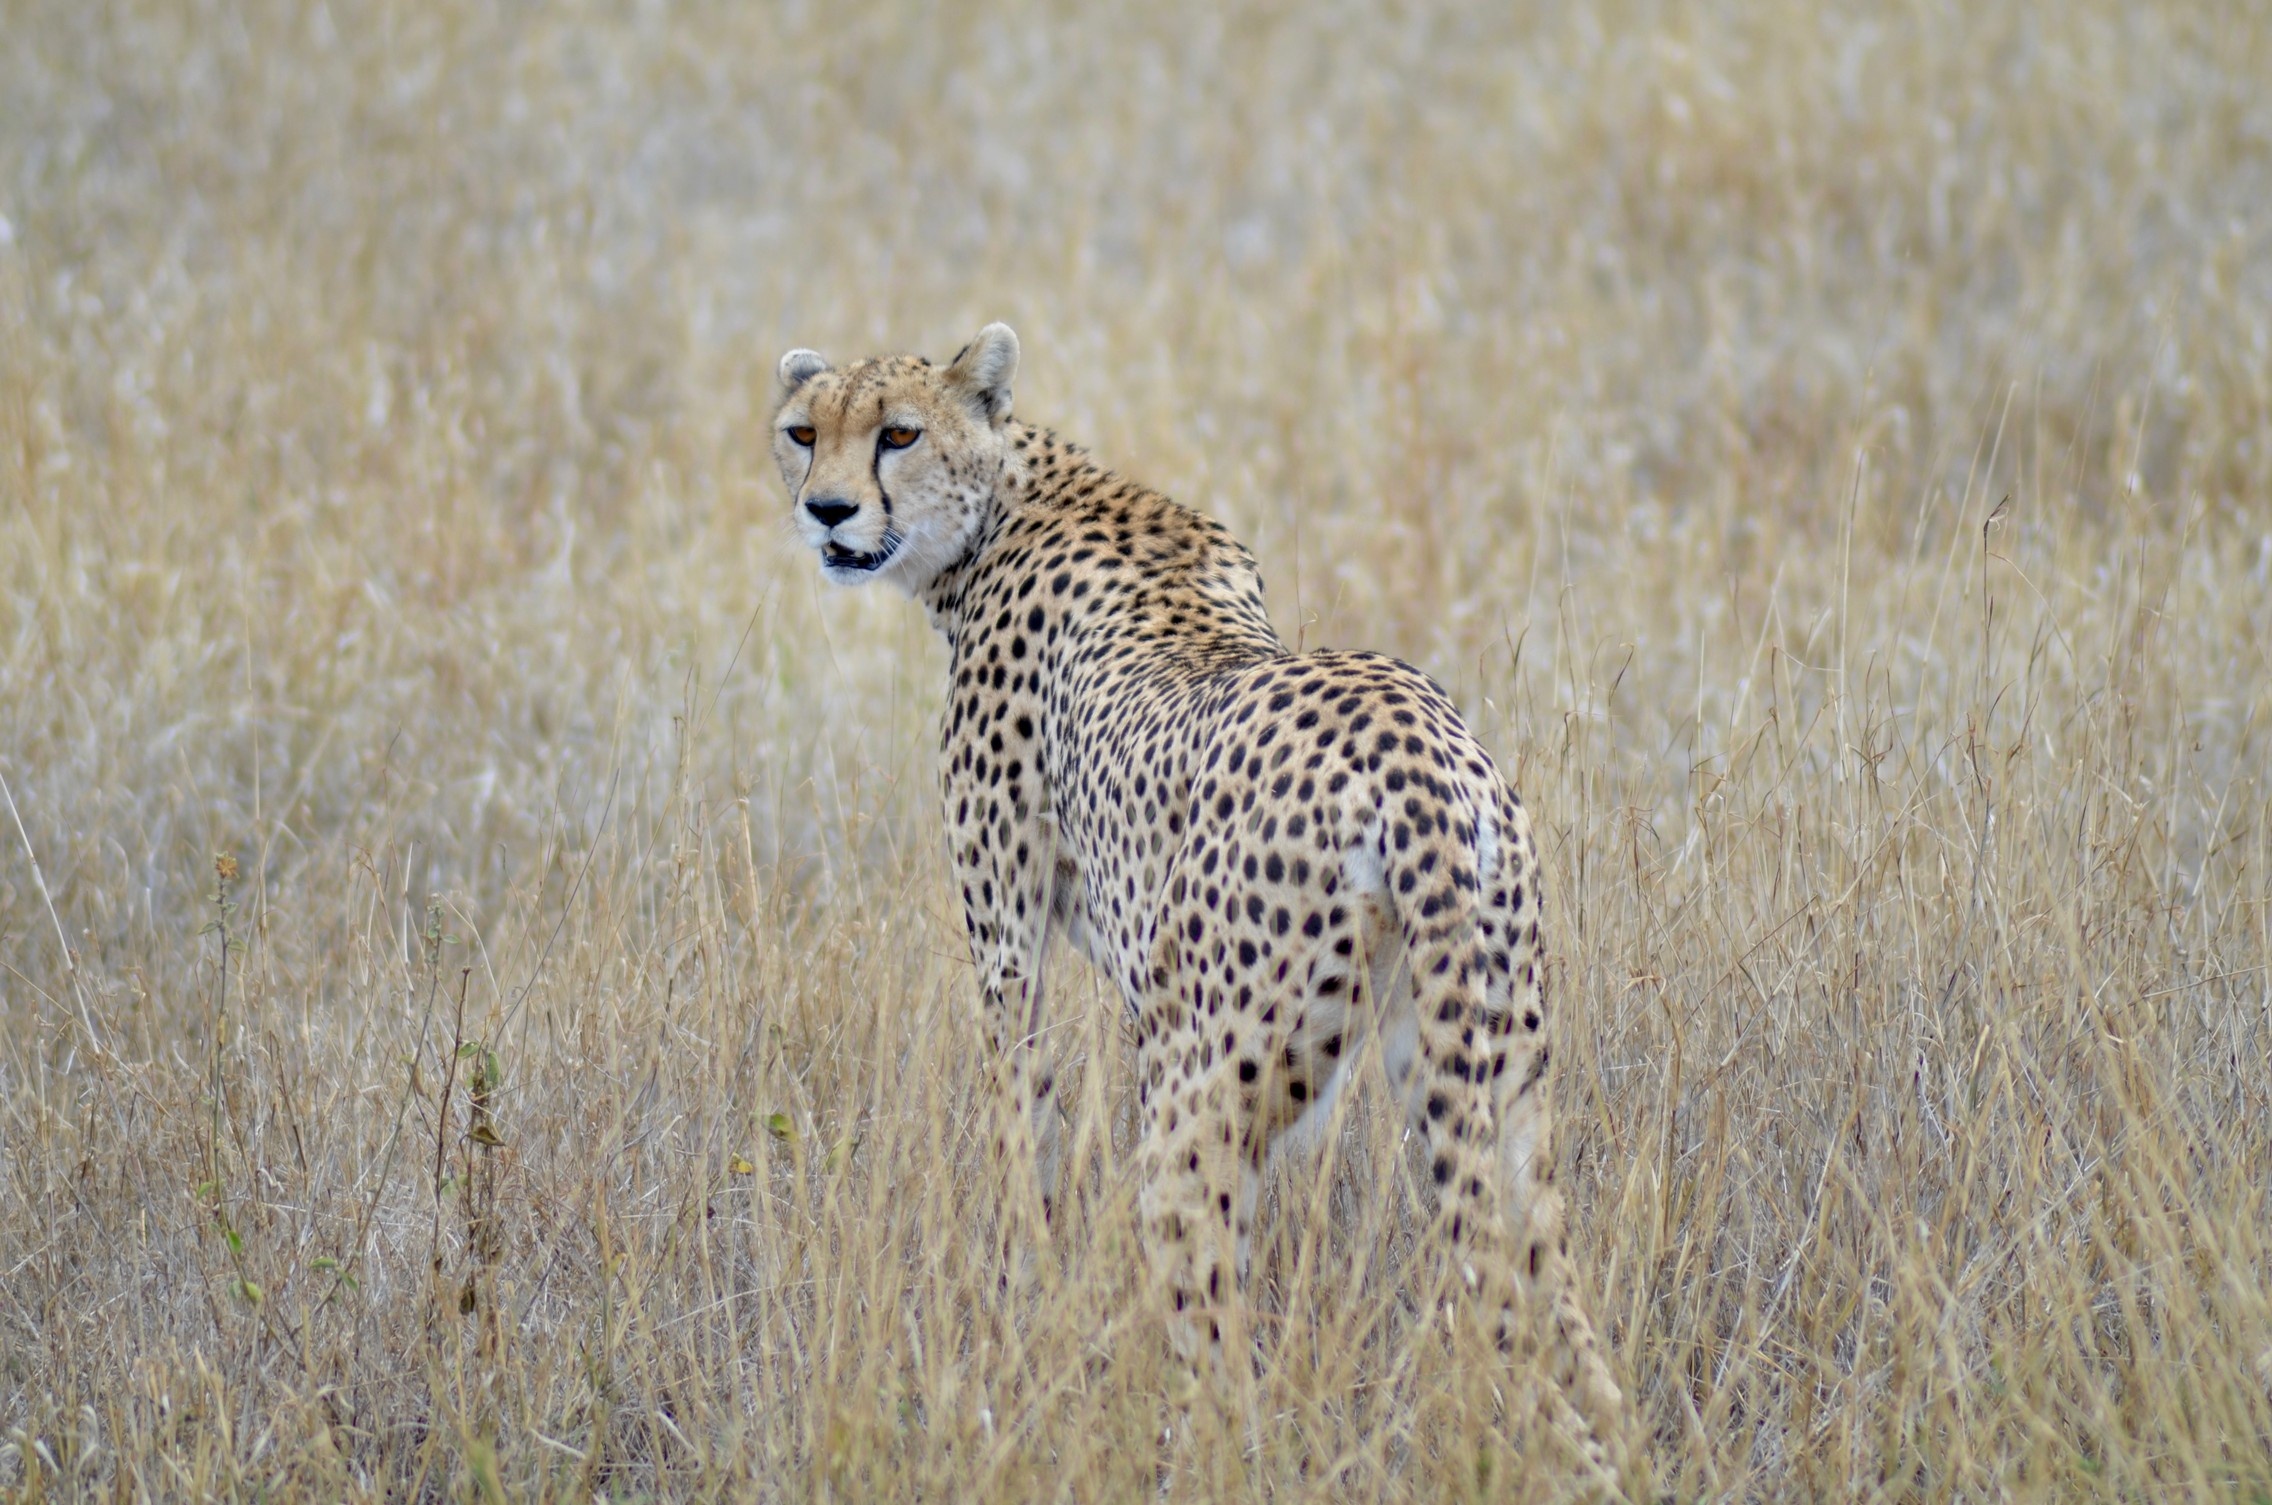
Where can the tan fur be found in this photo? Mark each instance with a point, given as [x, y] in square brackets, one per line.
[1269, 854]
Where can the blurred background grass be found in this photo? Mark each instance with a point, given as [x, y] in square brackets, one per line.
[1827, 450]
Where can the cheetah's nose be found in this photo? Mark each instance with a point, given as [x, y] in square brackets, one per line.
[828, 511]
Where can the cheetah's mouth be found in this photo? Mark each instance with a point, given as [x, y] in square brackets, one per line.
[838, 557]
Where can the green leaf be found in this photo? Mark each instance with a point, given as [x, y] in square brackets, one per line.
[777, 1125]
[481, 1462]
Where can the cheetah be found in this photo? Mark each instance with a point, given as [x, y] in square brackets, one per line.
[1267, 852]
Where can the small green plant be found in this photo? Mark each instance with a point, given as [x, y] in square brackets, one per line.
[214, 1190]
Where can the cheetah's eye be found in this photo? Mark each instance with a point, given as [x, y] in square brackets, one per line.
[801, 434]
[900, 438]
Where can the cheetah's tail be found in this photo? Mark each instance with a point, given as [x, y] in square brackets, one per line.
[1485, 1106]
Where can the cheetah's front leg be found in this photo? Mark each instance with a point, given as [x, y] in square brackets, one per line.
[1005, 860]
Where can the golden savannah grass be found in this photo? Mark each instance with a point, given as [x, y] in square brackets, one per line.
[488, 1018]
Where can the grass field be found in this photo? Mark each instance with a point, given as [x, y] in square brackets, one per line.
[1827, 452]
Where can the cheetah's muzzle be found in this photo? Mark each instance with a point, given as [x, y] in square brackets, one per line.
[840, 558]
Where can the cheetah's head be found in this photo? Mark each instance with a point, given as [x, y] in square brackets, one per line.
[890, 463]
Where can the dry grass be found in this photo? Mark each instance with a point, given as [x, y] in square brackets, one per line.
[1828, 452]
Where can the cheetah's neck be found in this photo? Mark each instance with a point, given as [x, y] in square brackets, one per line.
[1129, 561]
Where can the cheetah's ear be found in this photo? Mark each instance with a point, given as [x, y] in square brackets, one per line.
[799, 367]
[984, 369]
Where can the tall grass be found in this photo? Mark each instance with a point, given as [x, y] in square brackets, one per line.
[1827, 450]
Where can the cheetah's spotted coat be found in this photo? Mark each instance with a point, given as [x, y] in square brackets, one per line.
[1269, 853]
